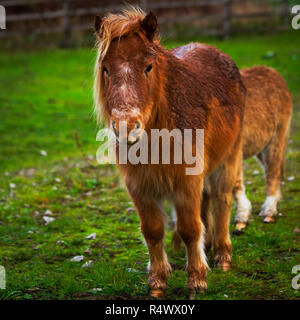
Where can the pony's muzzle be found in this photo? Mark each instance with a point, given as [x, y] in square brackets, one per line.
[127, 132]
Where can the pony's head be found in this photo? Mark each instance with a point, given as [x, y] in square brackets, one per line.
[127, 75]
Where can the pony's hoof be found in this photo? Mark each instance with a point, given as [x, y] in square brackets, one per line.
[240, 226]
[193, 293]
[269, 219]
[224, 266]
[156, 293]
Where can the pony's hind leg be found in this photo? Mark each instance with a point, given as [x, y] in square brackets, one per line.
[153, 228]
[273, 176]
[191, 231]
[272, 158]
[222, 184]
[243, 205]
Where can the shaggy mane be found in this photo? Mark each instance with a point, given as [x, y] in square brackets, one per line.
[116, 25]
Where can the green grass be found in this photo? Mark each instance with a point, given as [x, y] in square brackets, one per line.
[45, 98]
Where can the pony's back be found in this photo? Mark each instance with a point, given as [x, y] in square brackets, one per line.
[268, 105]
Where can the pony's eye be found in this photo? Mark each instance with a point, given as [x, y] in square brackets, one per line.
[105, 70]
[149, 68]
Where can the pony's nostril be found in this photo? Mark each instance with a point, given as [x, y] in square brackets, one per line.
[137, 124]
[114, 128]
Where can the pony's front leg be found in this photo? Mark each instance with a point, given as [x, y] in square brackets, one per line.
[153, 228]
[222, 183]
[222, 243]
[191, 231]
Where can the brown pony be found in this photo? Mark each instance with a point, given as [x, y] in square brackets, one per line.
[267, 118]
[194, 86]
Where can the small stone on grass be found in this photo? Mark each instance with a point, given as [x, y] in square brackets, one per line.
[88, 264]
[92, 236]
[48, 219]
[77, 258]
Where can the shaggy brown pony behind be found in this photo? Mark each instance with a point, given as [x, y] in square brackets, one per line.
[266, 125]
[195, 86]
[267, 120]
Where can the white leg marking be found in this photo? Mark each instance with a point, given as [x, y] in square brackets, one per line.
[243, 206]
[202, 246]
[174, 216]
[270, 205]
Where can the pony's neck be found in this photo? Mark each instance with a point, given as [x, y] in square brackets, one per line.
[174, 99]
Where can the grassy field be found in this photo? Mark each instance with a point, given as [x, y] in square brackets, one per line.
[48, 170]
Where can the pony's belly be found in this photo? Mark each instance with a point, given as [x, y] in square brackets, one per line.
[253, 147]
[257, 134]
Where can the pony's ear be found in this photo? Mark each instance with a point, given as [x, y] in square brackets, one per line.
[149, 25]
[97, 25]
